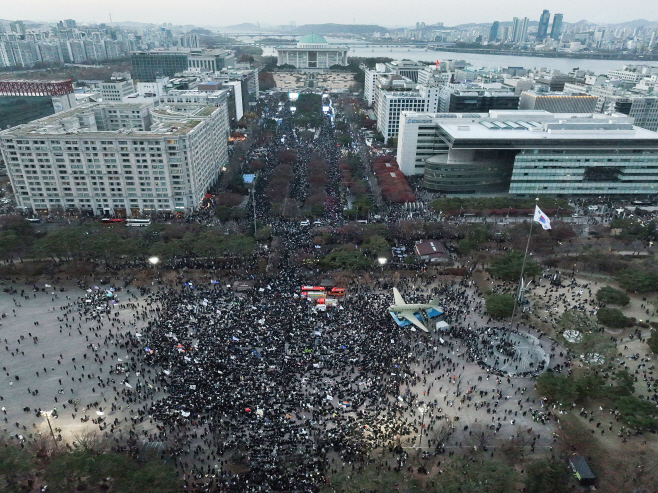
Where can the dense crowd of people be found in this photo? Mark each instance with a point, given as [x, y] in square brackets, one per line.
[257, 391]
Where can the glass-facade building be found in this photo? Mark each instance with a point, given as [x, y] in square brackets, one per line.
[149, 65]
[587, 172]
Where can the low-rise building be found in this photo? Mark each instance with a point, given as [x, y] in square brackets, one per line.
[117, 88]
[431, 251]
[558, 102]
[476, 98]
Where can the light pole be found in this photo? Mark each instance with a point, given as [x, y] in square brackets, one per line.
[154, 261]
[422, 412]
[382, 262]
[48, 414]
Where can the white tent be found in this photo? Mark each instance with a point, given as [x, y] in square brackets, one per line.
[442, 326]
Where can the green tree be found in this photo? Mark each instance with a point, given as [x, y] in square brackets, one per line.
[263, 233]
[590, 386]
[637, 413]
[346, 258]
[547, 476]
[500, 305]
[612, 317]
[637, 280]
[376, 246]
[79, 471]
[652, 341]
[62, 243]
[16, 466]
[556, 388]
[16, 235]
[608, 294]
[476, 476]
[625, 383]
[508, 266]
[166, 250]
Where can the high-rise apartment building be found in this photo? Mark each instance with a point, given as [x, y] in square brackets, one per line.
[493, 32]
[189, 40]
[117, 158]
[519, 30]
[522, 33]
[556, 28]
[542, 30]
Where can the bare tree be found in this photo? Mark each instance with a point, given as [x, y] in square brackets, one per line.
[91, 440]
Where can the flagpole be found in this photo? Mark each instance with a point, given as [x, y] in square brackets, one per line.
[525, 256]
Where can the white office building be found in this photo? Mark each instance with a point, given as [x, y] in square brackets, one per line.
[395, 94]
[117, 88]
[529, 152]
[632, 73]
[370, 83]
[117, 158]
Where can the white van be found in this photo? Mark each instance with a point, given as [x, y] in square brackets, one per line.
[305, 222]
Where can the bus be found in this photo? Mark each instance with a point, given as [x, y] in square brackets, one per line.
[315, 292]
[140, 223]
[112, 220]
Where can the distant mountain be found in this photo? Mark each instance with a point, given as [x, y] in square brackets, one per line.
[486, 24]
[636, 23]
[308, 28]
[244, 27]
[340, 29]
[145, 25]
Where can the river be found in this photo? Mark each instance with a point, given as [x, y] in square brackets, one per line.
[362, 49]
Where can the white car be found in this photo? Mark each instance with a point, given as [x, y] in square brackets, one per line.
[305, 222]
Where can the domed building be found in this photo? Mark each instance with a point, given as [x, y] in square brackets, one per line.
[311, 53]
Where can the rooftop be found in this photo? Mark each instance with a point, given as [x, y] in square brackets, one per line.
[51, 125]
[312, 39]
[524, 125]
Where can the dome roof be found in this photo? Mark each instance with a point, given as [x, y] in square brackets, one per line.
[312, 38]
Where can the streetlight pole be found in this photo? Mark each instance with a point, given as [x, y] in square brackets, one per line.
[47, 414]
[422, 425]
[253, 200]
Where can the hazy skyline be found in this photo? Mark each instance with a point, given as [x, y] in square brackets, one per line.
[385, 13]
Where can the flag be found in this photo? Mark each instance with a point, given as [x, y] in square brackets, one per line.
[542, 218]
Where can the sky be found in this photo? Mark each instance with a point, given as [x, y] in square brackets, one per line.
[387, 13]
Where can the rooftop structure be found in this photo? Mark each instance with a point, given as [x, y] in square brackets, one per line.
[35, 87]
